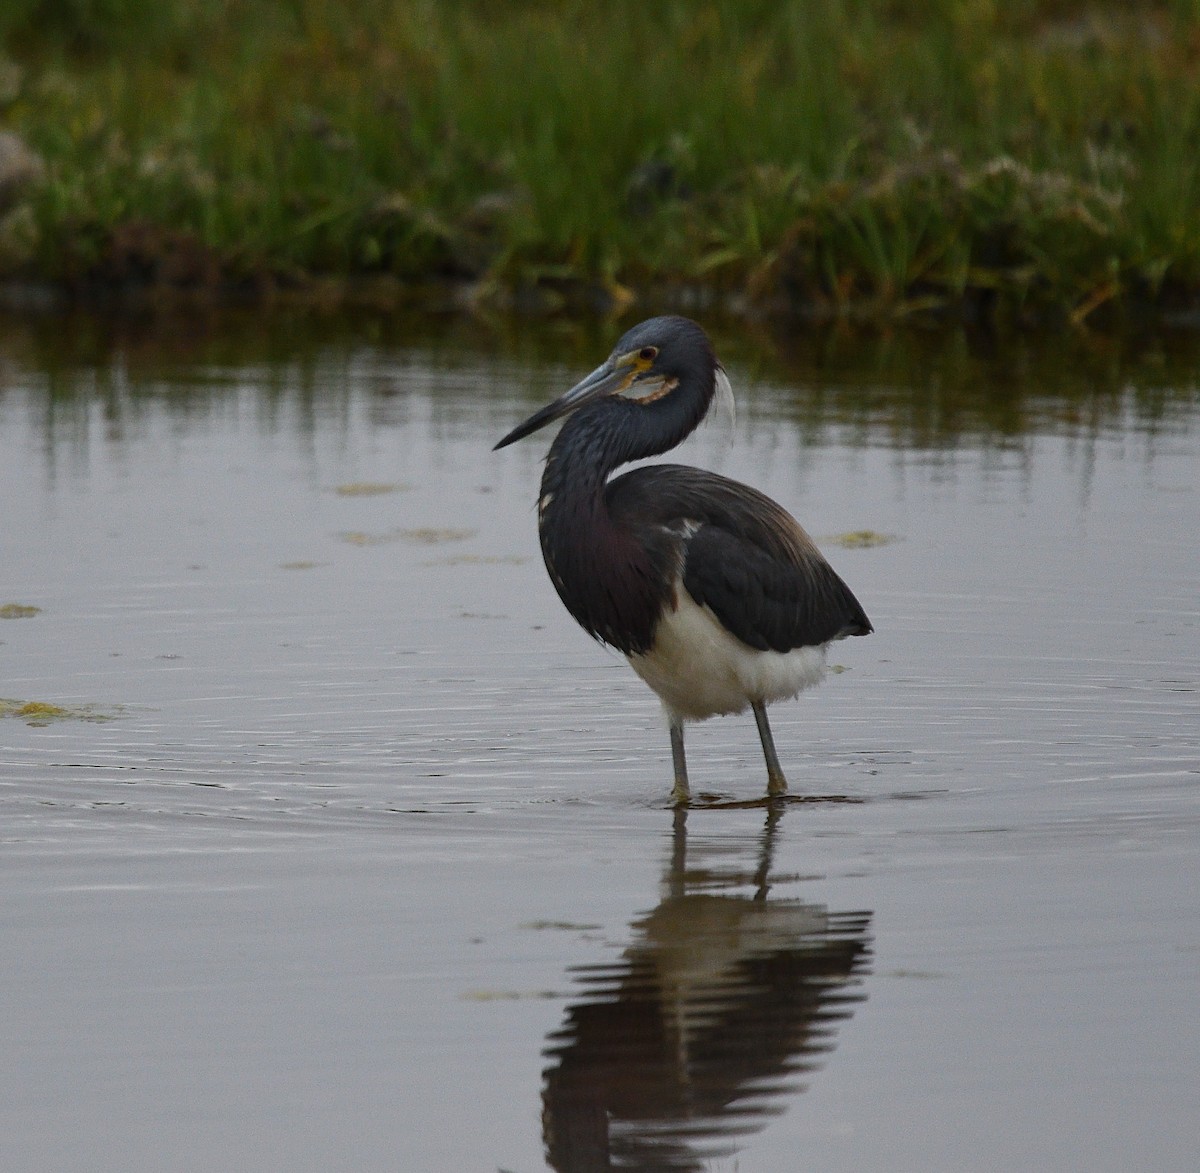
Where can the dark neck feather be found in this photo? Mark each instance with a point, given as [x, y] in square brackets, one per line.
[615, 581]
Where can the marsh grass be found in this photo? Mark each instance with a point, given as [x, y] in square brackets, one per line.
[828, 156]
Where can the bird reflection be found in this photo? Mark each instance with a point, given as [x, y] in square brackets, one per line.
[718, 1008]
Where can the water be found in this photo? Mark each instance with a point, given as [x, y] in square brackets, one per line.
[348, 850]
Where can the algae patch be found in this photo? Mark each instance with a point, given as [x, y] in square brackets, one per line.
[425, 536]
[361, 538]
[429, 536]
[40, 713]
[861, 539]
[18, 611]
[368, 489]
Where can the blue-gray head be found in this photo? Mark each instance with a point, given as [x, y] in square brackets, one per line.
[662, 358]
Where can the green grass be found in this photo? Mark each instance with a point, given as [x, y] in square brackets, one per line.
[840, 157]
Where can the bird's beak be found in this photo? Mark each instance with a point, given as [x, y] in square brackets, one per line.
[607, 379]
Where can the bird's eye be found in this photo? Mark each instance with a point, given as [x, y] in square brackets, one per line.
[648, 353]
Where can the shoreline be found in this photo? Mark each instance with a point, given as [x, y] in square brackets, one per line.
[588, 300]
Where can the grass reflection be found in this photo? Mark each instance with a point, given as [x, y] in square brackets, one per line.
[910, 388]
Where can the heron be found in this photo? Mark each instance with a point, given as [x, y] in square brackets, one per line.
[716, 596]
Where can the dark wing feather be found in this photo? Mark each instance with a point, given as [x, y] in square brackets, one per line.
[742, 555]
[767, 603]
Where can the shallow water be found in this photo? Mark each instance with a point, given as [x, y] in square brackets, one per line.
[349, 850]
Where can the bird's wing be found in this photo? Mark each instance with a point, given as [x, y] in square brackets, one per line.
[743, 556]
[768, 603]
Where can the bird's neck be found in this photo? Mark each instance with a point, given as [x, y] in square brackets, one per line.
[608, 579]
[614, 431]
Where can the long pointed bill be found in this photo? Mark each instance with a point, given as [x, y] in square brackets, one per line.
[606, 379]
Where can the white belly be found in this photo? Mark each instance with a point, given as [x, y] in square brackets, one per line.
[699, 670]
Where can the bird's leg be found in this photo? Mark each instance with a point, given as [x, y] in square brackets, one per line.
[681, 794]
[776, 782]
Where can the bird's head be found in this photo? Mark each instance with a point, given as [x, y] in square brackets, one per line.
[650, 362]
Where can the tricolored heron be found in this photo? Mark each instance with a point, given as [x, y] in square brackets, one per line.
[717, 597]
